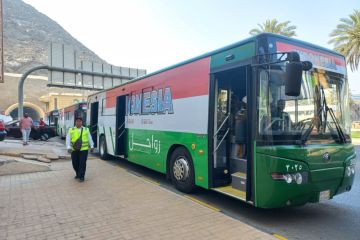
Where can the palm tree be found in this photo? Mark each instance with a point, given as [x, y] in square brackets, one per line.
[274, 26]
[346, 39]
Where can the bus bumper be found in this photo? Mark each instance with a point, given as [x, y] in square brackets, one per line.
[320, 185]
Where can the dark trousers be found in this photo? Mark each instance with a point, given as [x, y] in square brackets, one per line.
[79, 162]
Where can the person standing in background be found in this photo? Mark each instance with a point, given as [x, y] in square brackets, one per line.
[25, 125]
[41, 123]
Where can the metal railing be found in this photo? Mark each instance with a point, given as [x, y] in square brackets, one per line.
[224, 136]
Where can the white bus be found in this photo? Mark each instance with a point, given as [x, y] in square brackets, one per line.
[67, 115]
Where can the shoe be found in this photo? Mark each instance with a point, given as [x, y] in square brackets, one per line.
[81, 179]
[76, 177]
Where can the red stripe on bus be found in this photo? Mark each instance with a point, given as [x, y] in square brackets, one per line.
[283, 47]
[188, 80]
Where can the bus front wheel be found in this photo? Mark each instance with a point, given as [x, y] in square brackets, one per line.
[182, 170]
[103, 149]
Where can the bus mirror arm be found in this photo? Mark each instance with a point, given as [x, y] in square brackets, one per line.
[306, 65]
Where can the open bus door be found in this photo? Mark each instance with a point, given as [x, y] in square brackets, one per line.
[121, 133]
[232, 148]
[94, 117]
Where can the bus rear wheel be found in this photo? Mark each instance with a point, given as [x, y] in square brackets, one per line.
[182, 170]
[103, 149]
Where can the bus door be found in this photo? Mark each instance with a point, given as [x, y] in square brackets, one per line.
[230, 141]
[94, 117]
[121, 133]
[221, 172]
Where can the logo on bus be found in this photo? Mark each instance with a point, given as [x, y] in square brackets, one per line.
[150, 102]
[326, 157]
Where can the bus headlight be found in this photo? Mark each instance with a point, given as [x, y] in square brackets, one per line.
[288, 178]
[350, 170]
[298, 178]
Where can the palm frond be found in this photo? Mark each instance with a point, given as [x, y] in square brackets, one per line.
[274, 26]
[346, 39]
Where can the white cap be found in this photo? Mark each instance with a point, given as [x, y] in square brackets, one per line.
[244, 99]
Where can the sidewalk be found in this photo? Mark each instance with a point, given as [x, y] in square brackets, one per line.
[110, 204]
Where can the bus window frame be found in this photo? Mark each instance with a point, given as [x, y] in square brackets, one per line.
[103, 107]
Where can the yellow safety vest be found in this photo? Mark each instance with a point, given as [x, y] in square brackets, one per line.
[75, 134]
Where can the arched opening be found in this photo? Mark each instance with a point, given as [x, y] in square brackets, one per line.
[34, 111]
[29, 110]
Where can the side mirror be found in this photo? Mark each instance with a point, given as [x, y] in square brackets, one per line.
[293, 77]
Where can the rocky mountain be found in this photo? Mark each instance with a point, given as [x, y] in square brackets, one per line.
[28, 34]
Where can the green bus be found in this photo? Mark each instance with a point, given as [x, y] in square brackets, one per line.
[265, 120]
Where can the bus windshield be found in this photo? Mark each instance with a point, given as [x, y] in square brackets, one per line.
[317, 115]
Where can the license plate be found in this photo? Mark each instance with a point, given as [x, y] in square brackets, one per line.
[324, 195]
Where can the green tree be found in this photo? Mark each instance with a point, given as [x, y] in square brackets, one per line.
[274, 26]
[346, 39]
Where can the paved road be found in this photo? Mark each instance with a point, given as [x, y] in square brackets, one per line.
[336, 219]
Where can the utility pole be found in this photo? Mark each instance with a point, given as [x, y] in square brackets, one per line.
[1, 43]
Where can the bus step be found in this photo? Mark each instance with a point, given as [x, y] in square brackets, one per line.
[238, 165]
[232, 192]
[238, 181]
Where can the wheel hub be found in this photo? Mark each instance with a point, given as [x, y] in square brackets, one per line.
[181, 169]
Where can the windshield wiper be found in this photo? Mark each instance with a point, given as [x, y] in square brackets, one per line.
[332, 115]
[305, 136]
[323, 108]
[337, 125]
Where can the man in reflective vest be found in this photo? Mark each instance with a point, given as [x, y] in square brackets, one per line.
[79, 157]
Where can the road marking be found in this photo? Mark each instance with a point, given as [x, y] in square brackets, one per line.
[150, 181]
[203, 203]
[278, 236]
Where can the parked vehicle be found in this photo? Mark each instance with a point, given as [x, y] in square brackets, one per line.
[184, 121]
[13, 130]
[2, 130]
[5, 118]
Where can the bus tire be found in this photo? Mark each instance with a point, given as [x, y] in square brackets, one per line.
[182, 170]
[103, 148]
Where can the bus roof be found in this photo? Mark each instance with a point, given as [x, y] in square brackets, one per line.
[300, 42]
[228, 47]
[75, 104]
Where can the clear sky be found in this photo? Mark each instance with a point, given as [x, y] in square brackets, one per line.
[153, 34]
